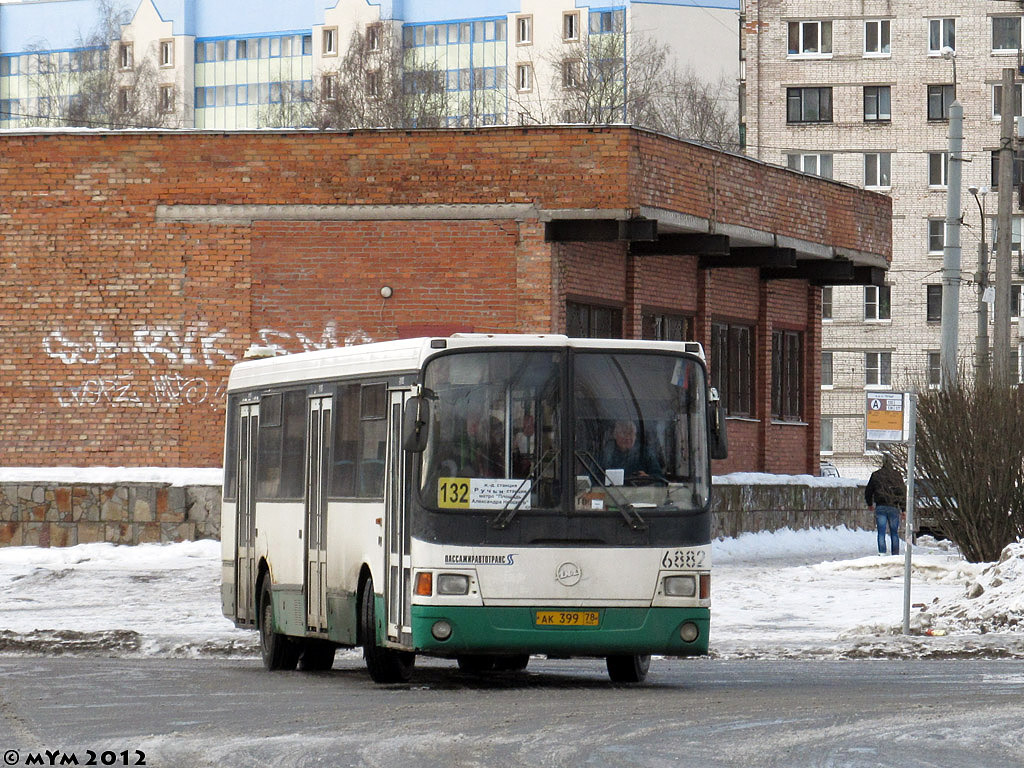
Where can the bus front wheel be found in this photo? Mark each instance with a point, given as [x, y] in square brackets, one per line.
[279, 652]
[385, 665]
[628, 668]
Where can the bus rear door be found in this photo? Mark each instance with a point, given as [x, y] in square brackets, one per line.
[318, 451]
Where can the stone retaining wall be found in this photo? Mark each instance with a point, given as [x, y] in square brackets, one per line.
[765, 507]
[65, 515]
[133, 513]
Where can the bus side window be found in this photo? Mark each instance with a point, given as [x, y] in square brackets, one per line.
[346, 441]
[374, 434]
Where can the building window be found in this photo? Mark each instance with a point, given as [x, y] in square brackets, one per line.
[330, 42]
[933, 303]
[939, 99]
[826, 369]
[329, 87]
[878, 369]
[124, 100]
[373, 83]
[1005, 34]
[877, 302]
[876, 38]
[571, 73]
[934, 372]
[826, 435]
[877, 103]
[1015, 299]
[166, 98]
[732, 367]
[524, 77]
[663, 327]
[125, 56]
[524, 30]
[589, 321]
[994, 183]
[941, 34]
[826, 302]
[571, 26]
[814, 164]
[997, 101]
[938, 167]
[936, 235]
[787, 356]
[809, 105]
[166, 53]
[810, 38]
[603, 22]
[877, 166]
[373, 35]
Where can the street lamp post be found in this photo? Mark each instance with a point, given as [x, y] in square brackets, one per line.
[981, 352]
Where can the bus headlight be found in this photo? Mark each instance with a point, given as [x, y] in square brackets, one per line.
[689, 632]
[452, 584]
[441, 630]
[680, 586]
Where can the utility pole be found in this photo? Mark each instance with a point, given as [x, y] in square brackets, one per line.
[1001, 329]
[951, 251]
[981, 346]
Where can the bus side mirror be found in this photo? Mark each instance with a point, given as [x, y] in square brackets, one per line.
[718, 441]
[414, 426]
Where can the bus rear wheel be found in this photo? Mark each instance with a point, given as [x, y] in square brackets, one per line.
[279, 652]
[628, 668]
[385, 665]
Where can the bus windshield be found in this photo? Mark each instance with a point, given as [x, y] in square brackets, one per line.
[636, 424]
[639, 426]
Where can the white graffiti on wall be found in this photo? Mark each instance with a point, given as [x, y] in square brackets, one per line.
[168, 346]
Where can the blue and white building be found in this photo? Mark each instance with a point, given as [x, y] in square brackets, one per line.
[223, 63]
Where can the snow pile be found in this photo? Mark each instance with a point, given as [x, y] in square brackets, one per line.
[993, 600]
[150, 599]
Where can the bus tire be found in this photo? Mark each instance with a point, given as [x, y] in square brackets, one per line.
[628, 668]
[279, 652]
[317, 655]
[385, 665]
[475, 665]
[513, 662]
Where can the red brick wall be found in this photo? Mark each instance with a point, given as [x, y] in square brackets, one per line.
[119, 325]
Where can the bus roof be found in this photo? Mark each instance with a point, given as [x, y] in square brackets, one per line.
[409, 355]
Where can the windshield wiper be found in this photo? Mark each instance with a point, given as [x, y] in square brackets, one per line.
[627, 510]
[505, 516]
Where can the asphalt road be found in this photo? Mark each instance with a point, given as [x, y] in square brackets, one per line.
[693, 713]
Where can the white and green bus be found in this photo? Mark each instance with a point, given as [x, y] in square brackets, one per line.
[476, 497]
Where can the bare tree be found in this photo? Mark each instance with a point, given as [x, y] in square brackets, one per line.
[377, 84]
[620, 77]
[971, 457]
[103, 83]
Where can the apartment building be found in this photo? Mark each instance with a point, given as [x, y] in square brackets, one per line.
[859, 91]
[229, 64]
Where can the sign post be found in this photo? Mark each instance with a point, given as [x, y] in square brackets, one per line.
[892, 418]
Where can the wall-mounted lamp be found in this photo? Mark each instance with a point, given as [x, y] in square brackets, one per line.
[386, 292]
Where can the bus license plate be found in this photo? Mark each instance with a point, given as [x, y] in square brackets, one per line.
[567, 619]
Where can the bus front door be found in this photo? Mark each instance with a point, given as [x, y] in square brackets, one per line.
[245, 515]
[398, 566]
[317, 458]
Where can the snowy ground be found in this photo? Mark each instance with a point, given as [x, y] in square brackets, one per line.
[791, 594]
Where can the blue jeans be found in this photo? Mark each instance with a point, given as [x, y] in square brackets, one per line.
[888, 516]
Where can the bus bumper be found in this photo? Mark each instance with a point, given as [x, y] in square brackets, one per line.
[514, 630]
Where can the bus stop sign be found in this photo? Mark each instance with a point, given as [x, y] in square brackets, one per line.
[885, 423]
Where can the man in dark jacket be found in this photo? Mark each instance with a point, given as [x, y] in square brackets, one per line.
[885, 495]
